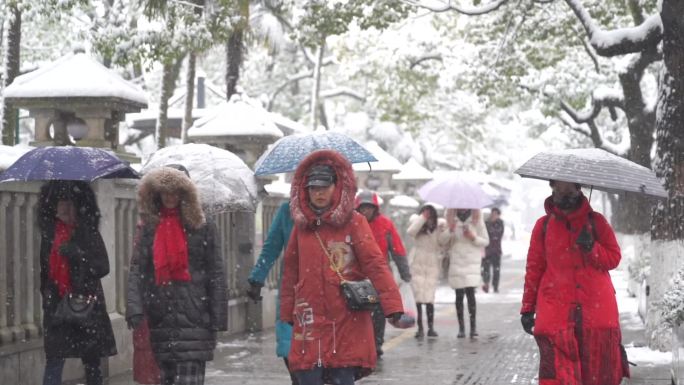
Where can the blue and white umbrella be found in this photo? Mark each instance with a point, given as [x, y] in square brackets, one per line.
[287, 152]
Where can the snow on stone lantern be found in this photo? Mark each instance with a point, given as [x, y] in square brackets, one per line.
[240, 126]
[412, 176]
[75, 100]
[378, 176]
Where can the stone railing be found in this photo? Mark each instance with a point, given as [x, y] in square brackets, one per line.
[21, 313]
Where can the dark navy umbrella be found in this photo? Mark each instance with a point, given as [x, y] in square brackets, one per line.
[67, 163]
[287, 152]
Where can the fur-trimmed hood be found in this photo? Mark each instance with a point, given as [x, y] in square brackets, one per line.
[342, 207]
[167, 179]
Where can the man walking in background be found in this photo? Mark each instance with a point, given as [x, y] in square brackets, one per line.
[387, 238]
[492, 257]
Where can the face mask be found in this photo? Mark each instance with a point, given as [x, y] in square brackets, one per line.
[566, 201]
[463, 215]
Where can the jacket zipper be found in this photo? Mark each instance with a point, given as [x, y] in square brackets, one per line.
[320, 362]
[334, 340]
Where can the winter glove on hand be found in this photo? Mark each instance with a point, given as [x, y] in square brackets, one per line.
[134, 321]
[254, 291]
[527, 321]
[394, 317]
[585, 241]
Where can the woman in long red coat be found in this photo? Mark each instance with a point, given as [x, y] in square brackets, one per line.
[329, 340]
[568, 286]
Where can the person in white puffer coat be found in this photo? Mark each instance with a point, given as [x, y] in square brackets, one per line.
[431, 235]
[467, 240]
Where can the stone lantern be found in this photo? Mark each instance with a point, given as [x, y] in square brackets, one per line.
[239, 126]
[76, 101]
[412, 176]
[377, 177]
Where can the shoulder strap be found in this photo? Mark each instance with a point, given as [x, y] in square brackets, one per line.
[333, 266]
[592, 224]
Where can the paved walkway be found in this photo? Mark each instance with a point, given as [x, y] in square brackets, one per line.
[502, 354]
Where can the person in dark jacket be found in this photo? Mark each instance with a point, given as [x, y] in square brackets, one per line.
[276, 242]
[177, 277]
[492, 257]
[73, 259]
[388, 239]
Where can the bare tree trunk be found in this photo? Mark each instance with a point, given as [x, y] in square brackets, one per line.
[189, 95]
[234, 53]
[316, 90]
[12, 68]
[169, 77]
[668, 217]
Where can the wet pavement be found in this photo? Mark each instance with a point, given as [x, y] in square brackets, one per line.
[502, 354]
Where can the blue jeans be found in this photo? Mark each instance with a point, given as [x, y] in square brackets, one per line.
[55, 366]
[336, 376]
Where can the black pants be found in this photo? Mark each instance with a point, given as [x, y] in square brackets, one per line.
[335, 376]
[468, 292]
[55, 366]
[292, 376]
[378, 328]
[493, 261]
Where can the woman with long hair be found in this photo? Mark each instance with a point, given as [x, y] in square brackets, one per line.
[73, 260]
[430, 236]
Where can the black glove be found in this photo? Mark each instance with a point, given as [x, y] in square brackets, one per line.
[395, 317]
[585, 241]
[527, 321]
[406, 277]
[134, 321]
[254, 291]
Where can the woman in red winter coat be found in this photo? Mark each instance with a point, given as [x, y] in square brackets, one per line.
[568, 286]
[329, 340]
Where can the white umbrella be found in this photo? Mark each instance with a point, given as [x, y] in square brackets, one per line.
[454, 190]
[224, 181]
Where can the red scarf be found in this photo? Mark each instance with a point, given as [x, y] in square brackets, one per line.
[59, 264]
[170, 249]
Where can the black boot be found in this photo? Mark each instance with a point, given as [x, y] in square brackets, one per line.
[419, 321]
[461, 322]
[430, 310]
[473, 328]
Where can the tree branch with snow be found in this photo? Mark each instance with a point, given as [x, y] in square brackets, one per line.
[619, 41]
[466, 10]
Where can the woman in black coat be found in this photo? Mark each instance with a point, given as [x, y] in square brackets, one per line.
[177, 277]
[73, 259]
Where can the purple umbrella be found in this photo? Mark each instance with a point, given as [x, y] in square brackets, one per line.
[455, 191]
[67, 163]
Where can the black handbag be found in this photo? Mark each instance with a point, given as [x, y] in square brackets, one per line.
[75, 310]
[359, 295]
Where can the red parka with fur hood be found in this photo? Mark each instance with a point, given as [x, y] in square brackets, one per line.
[577, 324]
[326, 333]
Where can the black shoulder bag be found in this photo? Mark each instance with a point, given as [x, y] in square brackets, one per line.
[360, 295]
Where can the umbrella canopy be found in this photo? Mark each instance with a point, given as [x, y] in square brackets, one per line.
[455, 191]
[285, 154]
[593, 167]
[67, 163]
[224, 181]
